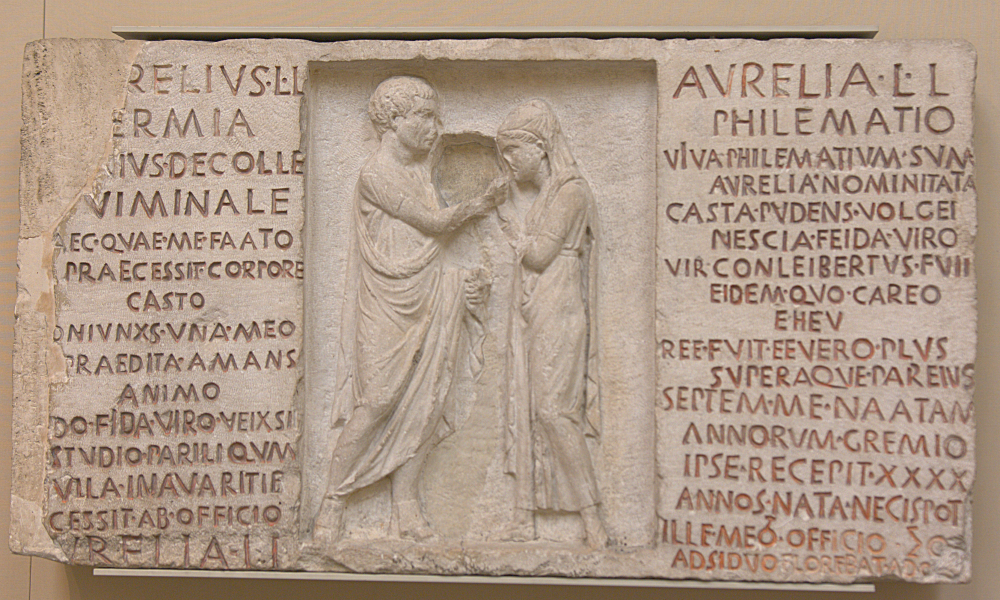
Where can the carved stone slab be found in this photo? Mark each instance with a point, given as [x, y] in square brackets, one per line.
[624, 308]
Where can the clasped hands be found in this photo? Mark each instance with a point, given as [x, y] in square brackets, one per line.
[477, 289]
[478, 281]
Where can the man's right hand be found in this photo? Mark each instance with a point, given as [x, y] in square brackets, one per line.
[495, 195]
[498, 191]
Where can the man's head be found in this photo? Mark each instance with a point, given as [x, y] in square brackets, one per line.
[408, 106]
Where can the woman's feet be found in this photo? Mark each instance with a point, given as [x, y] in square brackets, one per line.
[597, 537]
[521, 529]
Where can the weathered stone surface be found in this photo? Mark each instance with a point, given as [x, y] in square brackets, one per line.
[622, 308]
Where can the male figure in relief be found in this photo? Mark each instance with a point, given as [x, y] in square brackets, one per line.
[405, 313]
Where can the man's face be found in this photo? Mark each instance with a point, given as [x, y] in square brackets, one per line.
[418, 129]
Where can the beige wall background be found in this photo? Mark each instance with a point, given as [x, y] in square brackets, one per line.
[23, 578]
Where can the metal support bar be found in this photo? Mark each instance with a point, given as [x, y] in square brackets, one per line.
[481, 579]
[332, 34]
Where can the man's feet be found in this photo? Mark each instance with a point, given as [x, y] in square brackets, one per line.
[412, 525]
[326, 528]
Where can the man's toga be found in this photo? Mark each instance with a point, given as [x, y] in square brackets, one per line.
[402, 327]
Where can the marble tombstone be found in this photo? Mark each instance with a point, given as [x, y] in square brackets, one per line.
[622, 308]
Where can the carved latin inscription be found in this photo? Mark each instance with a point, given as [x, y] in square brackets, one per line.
[827, 219]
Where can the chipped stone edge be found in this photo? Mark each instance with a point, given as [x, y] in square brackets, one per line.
[37, 362]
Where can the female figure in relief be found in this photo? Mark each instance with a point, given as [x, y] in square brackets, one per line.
[552, 395]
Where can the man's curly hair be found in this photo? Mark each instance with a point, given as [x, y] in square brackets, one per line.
[394, 97]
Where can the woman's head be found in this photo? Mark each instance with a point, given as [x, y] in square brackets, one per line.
[525, 156]
[532, 143]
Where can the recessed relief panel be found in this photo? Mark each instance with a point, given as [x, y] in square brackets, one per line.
[508, 446]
